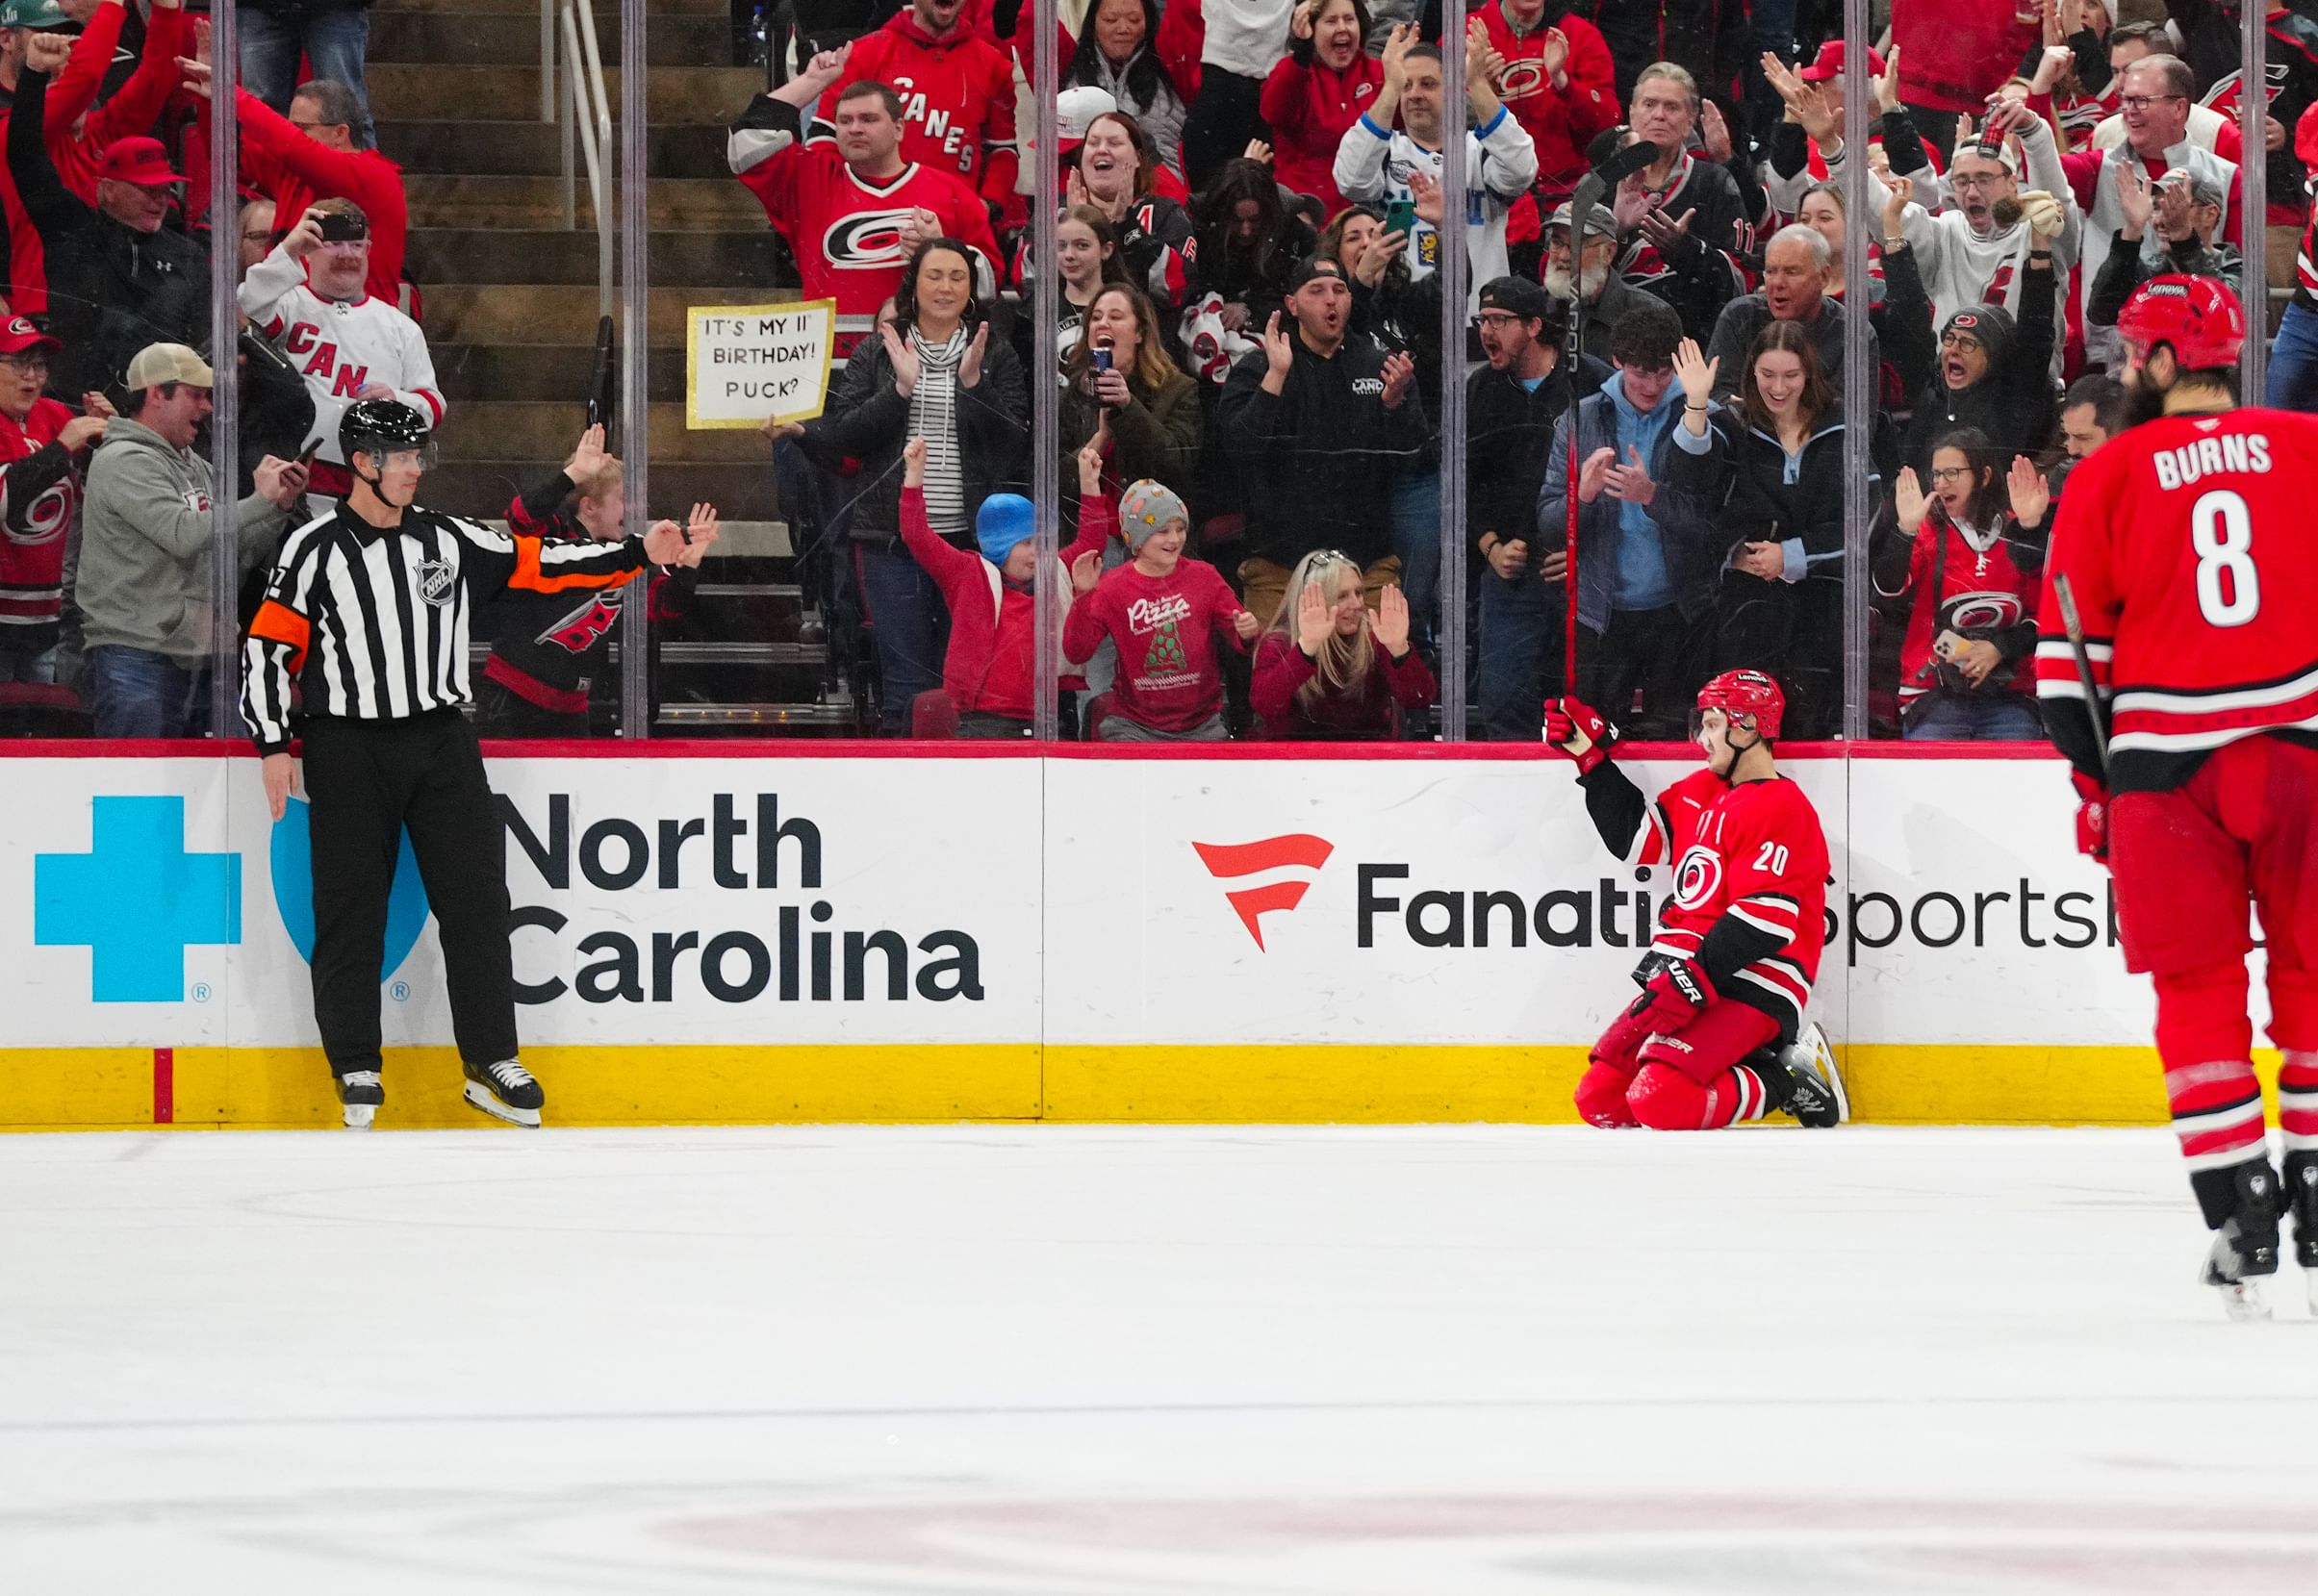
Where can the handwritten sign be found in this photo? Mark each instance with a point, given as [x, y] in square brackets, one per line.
[744, 363]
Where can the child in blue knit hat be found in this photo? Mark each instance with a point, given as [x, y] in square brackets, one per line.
[990, 666]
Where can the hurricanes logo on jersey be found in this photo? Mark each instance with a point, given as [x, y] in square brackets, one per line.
[867, 240]
[1698, 878]
[1981, 611]
[45, 518]
[1522, 79]
[578, 632]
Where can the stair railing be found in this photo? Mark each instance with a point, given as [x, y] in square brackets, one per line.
[585, 111]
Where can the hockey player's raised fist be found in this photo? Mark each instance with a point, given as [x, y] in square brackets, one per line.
[1579, 732]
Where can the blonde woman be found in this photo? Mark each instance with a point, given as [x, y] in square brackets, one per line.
[1326, 667]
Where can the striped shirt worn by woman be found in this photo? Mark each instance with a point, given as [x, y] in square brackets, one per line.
[934, 416]
[370, 623]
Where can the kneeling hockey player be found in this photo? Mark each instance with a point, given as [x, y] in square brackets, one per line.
[1717, 1035]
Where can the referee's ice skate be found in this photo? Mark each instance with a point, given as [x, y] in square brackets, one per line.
[505, 1091]
[361, 1096]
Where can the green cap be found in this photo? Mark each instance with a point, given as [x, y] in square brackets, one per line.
[41, 16]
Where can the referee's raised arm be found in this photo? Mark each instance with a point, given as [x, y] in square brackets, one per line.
[365, 628]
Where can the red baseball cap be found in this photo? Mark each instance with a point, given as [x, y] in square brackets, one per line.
[1829, 61]
[18, 335]
[140, 160]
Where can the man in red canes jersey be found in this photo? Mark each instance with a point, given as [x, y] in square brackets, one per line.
[852, 209]
[956, 90]
[1718, 1036]
[2184, 548]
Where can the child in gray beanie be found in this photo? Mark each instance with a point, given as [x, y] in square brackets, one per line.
[1163, 612]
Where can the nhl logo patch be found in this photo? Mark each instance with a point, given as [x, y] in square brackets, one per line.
[436, 578]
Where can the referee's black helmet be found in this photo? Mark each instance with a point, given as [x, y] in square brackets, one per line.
[379, 427]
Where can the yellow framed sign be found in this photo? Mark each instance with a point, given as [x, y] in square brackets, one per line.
[745, 363]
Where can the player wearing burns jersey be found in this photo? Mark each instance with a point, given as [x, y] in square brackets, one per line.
[2188, 701]
[853, 210]
[1718, 1034]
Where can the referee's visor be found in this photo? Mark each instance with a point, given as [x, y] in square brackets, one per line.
[393, 452]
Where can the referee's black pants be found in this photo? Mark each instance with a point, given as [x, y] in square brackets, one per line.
[367, 781]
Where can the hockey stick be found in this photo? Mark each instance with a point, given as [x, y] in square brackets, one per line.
[1614, 169]
[2073, 624]
[600, 377]
[1569, 563]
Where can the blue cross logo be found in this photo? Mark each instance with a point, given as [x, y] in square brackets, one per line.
[136, 900]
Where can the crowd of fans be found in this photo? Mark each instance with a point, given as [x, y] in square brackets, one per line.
[1251, 350]
[1249, 364]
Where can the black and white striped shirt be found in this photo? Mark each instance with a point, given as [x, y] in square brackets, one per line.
[370, 623]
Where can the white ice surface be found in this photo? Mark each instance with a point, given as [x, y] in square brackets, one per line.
[1126, 1363]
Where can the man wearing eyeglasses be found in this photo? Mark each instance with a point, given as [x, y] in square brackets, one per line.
[320, 151]
[2155, 95]
[1969, 254]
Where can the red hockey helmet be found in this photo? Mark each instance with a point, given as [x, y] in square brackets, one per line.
[1747, 693]
[2198, 315]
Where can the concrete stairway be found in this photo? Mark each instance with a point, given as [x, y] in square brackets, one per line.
[511, 306]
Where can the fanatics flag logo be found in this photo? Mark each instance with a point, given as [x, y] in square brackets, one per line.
[1232, 861]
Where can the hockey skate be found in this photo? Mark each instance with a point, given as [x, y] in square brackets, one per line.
[1817, 1098]
[2302, 1200]
[2245, 1249]
[505, 1091]
[361, 1096]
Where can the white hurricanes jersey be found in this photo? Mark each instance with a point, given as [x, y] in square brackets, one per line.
[340, 349]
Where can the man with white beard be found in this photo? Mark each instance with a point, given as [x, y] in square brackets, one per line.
[1593, 287]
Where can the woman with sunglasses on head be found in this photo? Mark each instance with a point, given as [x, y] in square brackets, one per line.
[1326, 667]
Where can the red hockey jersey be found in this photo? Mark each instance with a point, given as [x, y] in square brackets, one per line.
[957, 101]
[1749, 899]
[1562, 121]
[1982, 589]
[845, 229]
[2187, 542]
[37, 492]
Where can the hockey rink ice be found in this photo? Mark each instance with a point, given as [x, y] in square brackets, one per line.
[1111, 1361]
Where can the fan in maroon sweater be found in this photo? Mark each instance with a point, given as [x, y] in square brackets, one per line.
[991, 665]
[1335, 670]
[1163, 612]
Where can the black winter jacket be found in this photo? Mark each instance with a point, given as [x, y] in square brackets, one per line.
[867, 421]
[112, 290]
[2013, 404]
[1317, 463]
[1509, 431]
[1736, 485]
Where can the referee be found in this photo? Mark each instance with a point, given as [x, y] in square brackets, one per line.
[366, 617]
